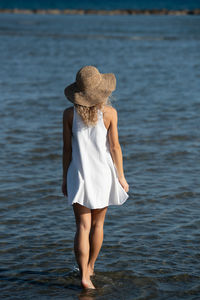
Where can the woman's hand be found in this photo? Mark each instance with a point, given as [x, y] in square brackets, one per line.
[64, 188]
[124, 184]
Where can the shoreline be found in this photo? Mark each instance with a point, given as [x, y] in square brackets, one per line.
[102, 11]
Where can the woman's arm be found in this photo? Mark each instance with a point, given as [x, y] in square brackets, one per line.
[115, 149]
[67, 145]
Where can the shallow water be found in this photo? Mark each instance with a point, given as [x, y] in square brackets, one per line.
[151, 243]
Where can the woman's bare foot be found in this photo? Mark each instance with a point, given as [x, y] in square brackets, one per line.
[87, 284]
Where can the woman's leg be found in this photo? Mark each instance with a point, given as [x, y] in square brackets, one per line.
[96, 236]
[81, 242]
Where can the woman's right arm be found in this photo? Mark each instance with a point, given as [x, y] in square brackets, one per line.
[67, 145]
[115, 149]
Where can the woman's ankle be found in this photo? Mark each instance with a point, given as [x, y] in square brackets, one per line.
[90, 266]
[85, 275]
[91, 270]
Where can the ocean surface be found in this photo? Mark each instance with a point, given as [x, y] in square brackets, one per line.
[151, 246]
[104, 4]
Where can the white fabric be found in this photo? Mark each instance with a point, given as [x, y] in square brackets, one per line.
[91, 178]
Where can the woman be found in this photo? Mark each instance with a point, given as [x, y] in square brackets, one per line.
[93, 176]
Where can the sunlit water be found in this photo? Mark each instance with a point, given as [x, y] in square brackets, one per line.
[151, 247]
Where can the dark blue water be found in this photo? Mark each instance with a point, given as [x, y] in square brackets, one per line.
[151, 247]
[106, 4]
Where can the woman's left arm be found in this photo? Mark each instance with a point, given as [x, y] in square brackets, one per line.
[67, 145]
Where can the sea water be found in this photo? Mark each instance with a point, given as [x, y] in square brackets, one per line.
[151, 247]
[104, 4]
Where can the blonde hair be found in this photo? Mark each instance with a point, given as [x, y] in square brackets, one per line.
[89, 115]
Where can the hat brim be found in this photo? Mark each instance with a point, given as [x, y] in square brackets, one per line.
[94, 96]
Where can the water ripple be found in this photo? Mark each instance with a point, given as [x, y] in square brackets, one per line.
[151, 243]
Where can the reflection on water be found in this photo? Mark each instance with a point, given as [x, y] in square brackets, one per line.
[87, 295]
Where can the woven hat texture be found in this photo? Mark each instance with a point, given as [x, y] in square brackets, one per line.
[91, 87]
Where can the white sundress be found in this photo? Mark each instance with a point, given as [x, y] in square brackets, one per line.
[92, 178]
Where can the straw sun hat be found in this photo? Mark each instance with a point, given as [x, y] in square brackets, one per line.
[91, 87]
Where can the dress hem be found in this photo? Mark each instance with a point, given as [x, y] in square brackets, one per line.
[99, 207]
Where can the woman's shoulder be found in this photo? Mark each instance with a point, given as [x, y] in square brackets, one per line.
[109, 111]
[109, 115]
